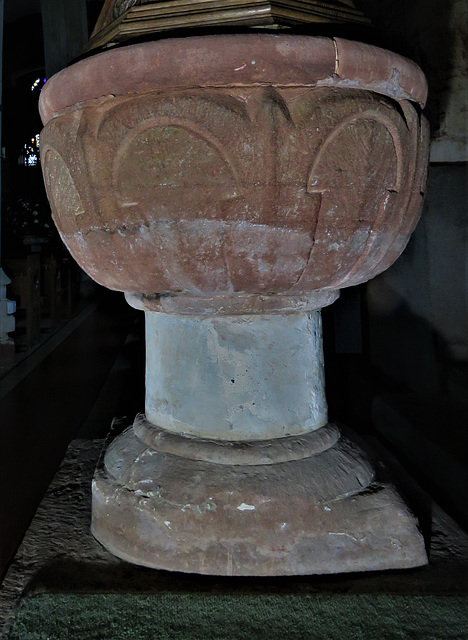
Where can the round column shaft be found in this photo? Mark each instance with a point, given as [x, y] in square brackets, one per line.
[247, 377]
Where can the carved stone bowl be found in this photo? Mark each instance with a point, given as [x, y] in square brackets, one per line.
[249, 164]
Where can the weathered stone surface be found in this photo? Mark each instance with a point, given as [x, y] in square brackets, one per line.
[277, 60]
[322, 514]
[252, 377]
[260, 179]
[233, 304]
[247, 452]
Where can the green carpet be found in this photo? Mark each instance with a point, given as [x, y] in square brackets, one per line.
[189, 616]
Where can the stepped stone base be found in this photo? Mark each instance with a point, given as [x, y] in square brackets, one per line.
[324, 513]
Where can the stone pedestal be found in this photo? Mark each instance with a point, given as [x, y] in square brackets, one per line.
[235, 469]
[230, 185]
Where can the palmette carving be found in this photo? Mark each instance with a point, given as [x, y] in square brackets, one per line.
[254, 190]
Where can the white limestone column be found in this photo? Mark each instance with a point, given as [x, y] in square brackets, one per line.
[244, 377]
